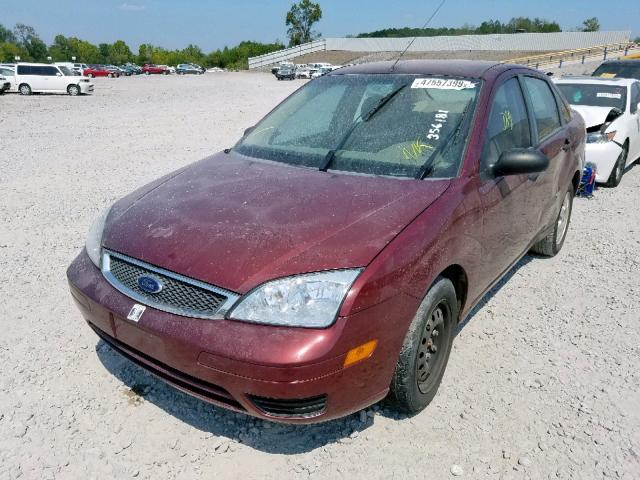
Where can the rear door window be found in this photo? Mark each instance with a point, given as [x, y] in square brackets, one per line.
[508, 125]
[545, 109]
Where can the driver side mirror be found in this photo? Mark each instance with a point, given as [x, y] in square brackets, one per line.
[249, 130]
[520, 162]
[58, 74]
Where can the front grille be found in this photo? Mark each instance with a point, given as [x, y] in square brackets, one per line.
[304, 407]
[194, 386]
[179, 294]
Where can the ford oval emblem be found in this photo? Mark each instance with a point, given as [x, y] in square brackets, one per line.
[149, 284]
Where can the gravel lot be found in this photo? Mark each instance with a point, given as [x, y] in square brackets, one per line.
[543, 381]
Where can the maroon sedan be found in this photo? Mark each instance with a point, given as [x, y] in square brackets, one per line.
[151, 69]
[324, 262]
[98, 71]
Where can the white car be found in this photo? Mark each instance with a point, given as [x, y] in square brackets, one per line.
[611, 111]
[322, 71]
[76, 68]
[47, 78]
[9, 74]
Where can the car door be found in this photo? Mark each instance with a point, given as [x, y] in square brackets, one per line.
[57, 80]
[553, 139]
[634, 128]
[507, 215]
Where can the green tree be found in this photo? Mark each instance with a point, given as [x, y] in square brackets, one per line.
[300, 20]
[591, 25]
[9, 51]
[120, 53]
[6, 35]
[27, 38]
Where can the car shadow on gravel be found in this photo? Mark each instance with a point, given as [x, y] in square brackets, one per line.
[224, 428]
[232, 428]
[496, 288]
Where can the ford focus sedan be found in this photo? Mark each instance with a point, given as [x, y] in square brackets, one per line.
[323, 262]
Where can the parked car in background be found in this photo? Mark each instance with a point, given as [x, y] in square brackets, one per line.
[304, 72]
[611, 111]
[128, 70]
[202, 69]
[9, 73]
[97, 71]
[322, 71]
[286, 73]
[188, 69]
[168, 68]
[75, 68]
[117, 71]
[327, 259]
[275, 69]
[47, 78]
[618, 68]
[151, 69]
[5, 84]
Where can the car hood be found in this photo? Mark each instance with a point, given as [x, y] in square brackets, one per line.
[594, 116]
[236, 222]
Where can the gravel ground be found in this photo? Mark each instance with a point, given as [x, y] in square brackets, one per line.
[543, 381]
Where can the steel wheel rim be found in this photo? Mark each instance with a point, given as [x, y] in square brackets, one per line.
[433, 345]
[563, 217]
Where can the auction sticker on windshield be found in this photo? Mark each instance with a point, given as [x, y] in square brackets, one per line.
[443, 83]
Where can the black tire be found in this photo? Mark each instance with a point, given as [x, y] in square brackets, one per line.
[24, 89]
[73, 90]
[424, 354]
[550, 245]
[618, 170]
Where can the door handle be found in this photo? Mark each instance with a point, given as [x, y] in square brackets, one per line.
[567, 145]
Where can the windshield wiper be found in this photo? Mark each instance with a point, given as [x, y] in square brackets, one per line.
[328, 159]
[427, 167]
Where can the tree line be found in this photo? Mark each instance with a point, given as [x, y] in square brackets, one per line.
[515, 25]
[23, 41]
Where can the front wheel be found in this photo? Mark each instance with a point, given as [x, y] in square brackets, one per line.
[426, 348]
[550, 245]
[618, 170]
[73, 90]
[25, 89]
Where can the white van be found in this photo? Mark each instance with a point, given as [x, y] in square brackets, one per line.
[46, 78]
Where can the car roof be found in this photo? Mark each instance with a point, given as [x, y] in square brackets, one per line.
[461, 68]
[616, 81]
[32, 64]
[630, 61]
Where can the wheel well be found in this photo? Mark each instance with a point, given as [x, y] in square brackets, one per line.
[457, 276]
[575, 181]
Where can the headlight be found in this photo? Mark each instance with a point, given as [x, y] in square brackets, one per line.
[308, 300]
[600, 137]
[94, 238]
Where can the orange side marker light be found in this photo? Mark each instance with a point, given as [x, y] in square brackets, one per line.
[362, 352]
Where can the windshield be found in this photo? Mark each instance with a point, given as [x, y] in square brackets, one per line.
[623, 70]
[595, 95]
[66, 71]
[392, 125]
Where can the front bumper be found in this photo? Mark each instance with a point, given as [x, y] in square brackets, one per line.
[604, 156]
[242, 366]
[86, 87]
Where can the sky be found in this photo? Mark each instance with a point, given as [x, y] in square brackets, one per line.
[213, 24]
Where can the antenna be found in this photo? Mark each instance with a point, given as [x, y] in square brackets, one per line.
[435, 12]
